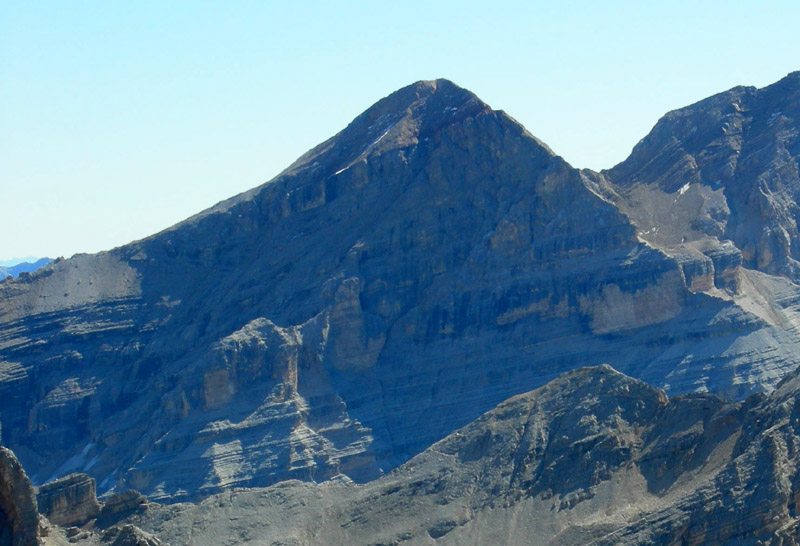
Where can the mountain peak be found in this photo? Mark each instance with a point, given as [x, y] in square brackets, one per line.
[426, 263]
[433, 98]
[399, 120]
[393, 126]
[423, 107]
[723, 168]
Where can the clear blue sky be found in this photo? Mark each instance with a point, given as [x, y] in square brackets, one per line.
[122, 118]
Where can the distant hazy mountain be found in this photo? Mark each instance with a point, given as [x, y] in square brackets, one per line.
[410, 273]
[23, 267]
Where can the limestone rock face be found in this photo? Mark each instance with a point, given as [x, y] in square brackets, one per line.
[19, 517]
[408, 274]
[592, 457]
[70, 500]
[724, 168]
[66, 502]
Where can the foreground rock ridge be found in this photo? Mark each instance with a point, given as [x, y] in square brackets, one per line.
[415, 270]
[593, 457]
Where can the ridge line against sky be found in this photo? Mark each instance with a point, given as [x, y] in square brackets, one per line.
[120, 120]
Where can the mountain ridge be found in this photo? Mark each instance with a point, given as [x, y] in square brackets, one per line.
[395, 282]
[735, 158]
[592, 457]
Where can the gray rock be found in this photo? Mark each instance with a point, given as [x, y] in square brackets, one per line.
[129, 535]
[395, 282]
[593, 457]
[724, 168]
[19, 516]
[120, 506]
[70, 500]
[23, 268]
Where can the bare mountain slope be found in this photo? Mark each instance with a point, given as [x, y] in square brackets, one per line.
[725, 168]
[415, 270]
[593, 457]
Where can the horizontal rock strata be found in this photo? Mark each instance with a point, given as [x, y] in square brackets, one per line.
[408, 274]
[70, 500]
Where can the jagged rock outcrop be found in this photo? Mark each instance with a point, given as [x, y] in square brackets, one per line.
[593, 457]
[70, 500]
[129, 535]
[120, 506]
[67, 503]
[19, 517]
[413, 271]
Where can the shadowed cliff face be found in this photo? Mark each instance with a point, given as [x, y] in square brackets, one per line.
[413, 271]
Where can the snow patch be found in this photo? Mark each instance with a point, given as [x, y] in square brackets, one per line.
[91, 463]
[109, 483]
[386, 132]
[73, 464]
[381, 120]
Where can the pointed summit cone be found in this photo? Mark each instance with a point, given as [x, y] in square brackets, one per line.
[397, 121]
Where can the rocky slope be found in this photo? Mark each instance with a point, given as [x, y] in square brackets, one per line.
[410, 273]
[724, 168]
[593, 457]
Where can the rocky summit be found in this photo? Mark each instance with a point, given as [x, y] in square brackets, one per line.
[425, 264]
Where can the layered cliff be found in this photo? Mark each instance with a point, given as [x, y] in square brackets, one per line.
[403, 277]
[593, 457]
